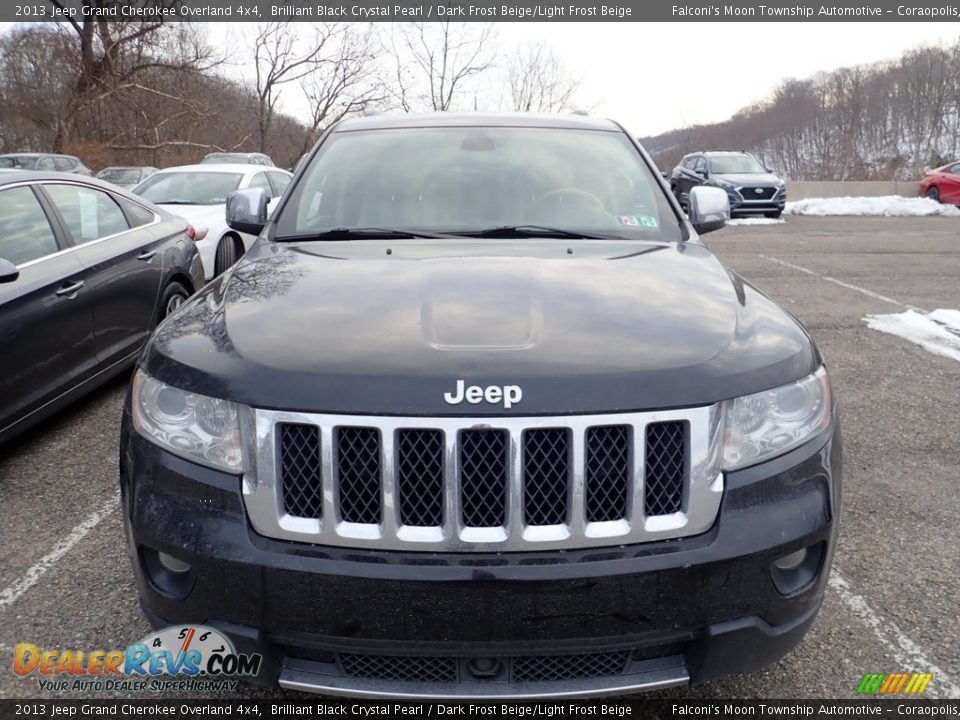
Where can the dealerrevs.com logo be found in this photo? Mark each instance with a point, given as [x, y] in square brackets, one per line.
[181, 657]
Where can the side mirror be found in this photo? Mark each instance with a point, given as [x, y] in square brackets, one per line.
[709, 209]
[247, 210]
[8, 271]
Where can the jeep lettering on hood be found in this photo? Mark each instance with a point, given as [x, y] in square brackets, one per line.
[508, 395]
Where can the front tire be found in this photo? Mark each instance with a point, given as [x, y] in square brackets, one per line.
[773, 215]
[933, 192]
[227, 255]
[174, 295]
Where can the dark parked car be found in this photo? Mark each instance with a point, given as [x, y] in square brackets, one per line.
[942, 184]
[237, 158]
[478, 415]
[751, 187]
[125, 176]
[86, 272]
[44, 161]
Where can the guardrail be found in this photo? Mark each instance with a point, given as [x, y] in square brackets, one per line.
[801, 190]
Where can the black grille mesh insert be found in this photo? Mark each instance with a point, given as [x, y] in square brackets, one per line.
[300, 469]
[484, 456]
[750, 193]
[546, 472]
[358, 464]
[666, 460]
[420, 477]
[547, 668]
[608, 472]
[483, 477]
[407, 669]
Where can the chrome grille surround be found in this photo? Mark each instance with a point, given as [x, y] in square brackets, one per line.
[264, 499]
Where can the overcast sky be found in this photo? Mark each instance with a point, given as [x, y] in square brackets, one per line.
[654, 77]
[657, 77]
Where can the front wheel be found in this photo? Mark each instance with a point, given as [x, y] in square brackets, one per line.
[227, 254]
[774, 214]
[933, 193]
[174, 295]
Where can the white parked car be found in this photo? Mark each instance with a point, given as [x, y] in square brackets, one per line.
[198, 193]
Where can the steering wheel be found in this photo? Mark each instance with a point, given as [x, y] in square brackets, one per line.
[578, 192]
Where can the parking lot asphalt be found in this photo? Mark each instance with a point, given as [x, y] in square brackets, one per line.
[66, 582]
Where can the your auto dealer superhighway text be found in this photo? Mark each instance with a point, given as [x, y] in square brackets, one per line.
[363, 12]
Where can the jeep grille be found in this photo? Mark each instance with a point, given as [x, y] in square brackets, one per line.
[484, 485]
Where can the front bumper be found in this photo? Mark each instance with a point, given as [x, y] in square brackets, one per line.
[518, 625]
[740, 205]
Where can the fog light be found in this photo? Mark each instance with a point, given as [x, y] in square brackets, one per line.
[174, 565]
[797, 571]
[787, 562]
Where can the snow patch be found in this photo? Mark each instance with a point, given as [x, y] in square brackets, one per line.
[937, 332]
[754, 221]
[887, 206]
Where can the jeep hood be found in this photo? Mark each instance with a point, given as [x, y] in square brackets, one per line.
[390, 327]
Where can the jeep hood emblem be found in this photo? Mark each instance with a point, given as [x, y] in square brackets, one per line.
[506, 395]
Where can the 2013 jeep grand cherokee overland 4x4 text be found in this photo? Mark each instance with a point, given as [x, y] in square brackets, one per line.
[479, 416]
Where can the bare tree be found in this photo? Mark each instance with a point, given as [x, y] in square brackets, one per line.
[113, 56]
[281, 56]
[344, 80]
[435, 62]
[538, 81]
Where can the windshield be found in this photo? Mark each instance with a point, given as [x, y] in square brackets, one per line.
[463, 179]
[735, 164]
[189, 188]
[120, 176]
[227, 158]
[26, 162]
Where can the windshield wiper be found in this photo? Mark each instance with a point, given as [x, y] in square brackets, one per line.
[535, 231]
[178, 202]
[364, 233]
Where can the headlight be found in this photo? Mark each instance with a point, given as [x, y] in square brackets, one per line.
[769, 423]
[202, 429]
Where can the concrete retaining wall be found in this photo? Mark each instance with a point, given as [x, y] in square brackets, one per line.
[817, 189]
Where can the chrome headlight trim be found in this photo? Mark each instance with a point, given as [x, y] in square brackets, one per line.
[767, 424]
[198, 428]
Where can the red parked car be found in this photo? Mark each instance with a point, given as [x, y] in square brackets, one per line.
[943, 184]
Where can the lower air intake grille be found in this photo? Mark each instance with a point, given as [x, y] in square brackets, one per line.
[666, 460]
[547, 668]
[406, 669]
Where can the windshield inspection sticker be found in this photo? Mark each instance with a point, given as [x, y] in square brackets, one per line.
[644, 221]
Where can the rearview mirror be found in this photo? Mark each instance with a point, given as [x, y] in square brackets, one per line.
[8, 271]
[709, 209]
[247, 210]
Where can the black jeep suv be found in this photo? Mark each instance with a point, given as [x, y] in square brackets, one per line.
[751, 187]
[479, 415]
